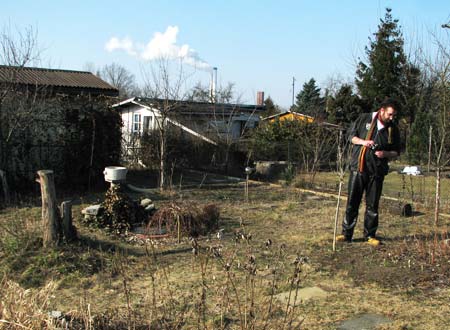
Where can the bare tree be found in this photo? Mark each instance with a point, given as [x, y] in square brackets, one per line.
[18, 106]
[440, 70]
[90, 67]
[228, 125]
[312, 145]
[19, 47]
[164, 82]
[119, 77]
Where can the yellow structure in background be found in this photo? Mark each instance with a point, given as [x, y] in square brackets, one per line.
[290, 115]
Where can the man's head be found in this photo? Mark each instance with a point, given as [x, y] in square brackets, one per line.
[388, 110]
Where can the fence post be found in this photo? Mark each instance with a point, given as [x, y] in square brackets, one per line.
[4, 184]
[51, 220]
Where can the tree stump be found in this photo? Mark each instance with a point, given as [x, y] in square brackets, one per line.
[51, 219]
[68, 230]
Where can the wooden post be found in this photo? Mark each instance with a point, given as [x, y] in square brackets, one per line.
[4, 184]
[51, 220]
[68, 229]
[179, 228]
[246, 188]
[341, 183]
[429, 147]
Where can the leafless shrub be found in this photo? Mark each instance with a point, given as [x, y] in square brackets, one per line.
[189, 219]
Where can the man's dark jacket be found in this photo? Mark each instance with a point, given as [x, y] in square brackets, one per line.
[374, 166]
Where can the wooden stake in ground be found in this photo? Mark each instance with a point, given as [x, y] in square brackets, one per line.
[68, 229]
[51, 220]
[4, 184]
[337, 214]
[341, 170]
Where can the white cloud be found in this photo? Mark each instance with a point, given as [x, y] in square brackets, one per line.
[125, 44]
[162, 45]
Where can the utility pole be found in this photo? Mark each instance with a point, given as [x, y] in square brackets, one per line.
[293, 90]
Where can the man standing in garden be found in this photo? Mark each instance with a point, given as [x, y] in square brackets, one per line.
[376, 141]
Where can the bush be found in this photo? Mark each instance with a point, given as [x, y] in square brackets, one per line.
[193, 219]
[119, 213]
[183, 150]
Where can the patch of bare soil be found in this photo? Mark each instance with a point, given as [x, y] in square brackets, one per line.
[417, 263]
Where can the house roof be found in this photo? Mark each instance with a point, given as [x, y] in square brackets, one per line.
[193, 108]
[290, 115]
[64, 81]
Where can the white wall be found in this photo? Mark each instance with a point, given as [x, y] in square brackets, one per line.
[127, 118]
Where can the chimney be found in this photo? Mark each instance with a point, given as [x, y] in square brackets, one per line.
[260, 98]
[213, 85]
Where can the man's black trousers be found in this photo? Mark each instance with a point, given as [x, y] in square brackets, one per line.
[359, 183]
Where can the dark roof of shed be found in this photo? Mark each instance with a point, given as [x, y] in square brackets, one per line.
[193, 107]
[59, 79]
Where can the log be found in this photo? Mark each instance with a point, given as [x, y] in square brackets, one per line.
[51, 219]
[68, 229]
[4, 183]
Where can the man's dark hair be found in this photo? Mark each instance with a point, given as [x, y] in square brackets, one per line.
[390, 102]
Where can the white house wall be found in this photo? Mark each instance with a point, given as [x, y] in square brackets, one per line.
[127, 118]
[219, 123]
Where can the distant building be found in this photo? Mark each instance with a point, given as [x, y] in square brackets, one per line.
[55, 119]
[292, 115]
[289, 115]
[210, 122]
[54, 81]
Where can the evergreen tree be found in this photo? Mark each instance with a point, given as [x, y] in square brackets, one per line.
[383, 74]
[271, 108]
[345, 106]
[308, 100]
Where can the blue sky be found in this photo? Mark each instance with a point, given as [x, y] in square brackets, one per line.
[257, 45]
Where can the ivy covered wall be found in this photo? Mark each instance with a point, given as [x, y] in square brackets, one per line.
[75, 136]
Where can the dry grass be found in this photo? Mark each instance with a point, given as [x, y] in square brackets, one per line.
[231, 283]
[24, 309]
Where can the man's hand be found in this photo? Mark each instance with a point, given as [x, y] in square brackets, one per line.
[364, 143]
[380, 154]
[386, 154]
[368, 143]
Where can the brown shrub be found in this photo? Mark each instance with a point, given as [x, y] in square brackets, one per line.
[194, 220]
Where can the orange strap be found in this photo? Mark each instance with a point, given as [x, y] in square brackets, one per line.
[362, 153]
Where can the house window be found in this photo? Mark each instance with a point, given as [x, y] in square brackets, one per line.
[148, 123]
[137, 124]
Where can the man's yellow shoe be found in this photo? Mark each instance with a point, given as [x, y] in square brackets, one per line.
[343, 238]
[373, 241]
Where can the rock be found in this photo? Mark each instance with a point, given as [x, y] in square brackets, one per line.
[303, 295]
[364, 322]
[146, 202]
[92, 210]
[55, 314]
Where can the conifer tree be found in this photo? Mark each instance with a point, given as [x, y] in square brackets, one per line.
[308, 100]
[345, 106]
[383, 74]
[271, 108]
